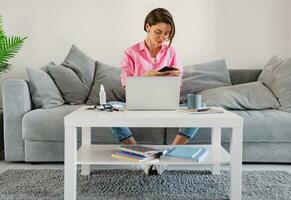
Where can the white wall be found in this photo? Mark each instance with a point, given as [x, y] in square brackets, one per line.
[250, 31]
[245, 32]
[289, 28]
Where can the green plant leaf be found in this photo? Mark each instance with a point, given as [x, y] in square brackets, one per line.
[9, 46]
[2, 33]
[4, 68]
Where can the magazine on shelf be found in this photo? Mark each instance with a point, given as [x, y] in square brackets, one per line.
[138, 149]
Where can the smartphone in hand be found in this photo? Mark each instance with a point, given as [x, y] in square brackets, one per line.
[167, 68]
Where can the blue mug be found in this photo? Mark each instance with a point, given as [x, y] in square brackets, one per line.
[194, 101]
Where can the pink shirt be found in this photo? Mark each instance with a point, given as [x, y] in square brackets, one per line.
[137, 61]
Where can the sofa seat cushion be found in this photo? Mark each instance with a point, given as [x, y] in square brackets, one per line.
[48, 125]
[269, 125]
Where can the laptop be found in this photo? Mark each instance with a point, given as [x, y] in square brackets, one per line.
[152, 93]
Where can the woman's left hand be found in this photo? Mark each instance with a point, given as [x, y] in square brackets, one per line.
[175, 72]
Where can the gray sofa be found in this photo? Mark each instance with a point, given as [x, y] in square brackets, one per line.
[37, 135]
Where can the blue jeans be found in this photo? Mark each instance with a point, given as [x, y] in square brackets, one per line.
[123, 133]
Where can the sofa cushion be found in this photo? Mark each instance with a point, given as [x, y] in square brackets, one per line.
[110, 78]
[81, 64]
[73, 90]
[204, 76]
[48, 125]
[44, 92]
[276, 76]
[268, 125]
[239, 76]
[253, 96]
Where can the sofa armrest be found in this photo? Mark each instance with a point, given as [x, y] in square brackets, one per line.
[16, 102]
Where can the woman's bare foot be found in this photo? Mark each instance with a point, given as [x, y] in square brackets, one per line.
[180, 139]
[130, 140]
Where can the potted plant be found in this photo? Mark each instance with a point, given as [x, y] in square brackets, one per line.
[9, 46]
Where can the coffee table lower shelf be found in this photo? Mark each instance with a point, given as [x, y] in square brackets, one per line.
[101, 155]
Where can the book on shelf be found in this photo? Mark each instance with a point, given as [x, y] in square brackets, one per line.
[193, 153]
[138, 153]
[127, 156]
[138, 149]
[135, 157]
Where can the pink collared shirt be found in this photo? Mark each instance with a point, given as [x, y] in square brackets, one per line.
[137, 61]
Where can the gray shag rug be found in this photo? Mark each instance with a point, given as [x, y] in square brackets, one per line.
[133, 184]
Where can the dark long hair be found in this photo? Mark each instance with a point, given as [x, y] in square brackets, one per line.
[161, 15]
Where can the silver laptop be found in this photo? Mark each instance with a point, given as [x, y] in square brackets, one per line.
[152, 93]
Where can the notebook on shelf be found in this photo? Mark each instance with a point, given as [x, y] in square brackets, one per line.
[193, 153]
[201, 155]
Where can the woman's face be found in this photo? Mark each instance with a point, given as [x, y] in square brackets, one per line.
[158, 33]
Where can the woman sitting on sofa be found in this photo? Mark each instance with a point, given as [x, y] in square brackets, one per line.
[147, 57]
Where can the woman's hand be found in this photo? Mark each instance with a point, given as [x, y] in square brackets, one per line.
[175, 72]
[153, 72]
[156, 73]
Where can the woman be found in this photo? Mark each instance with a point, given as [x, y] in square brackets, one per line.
[147, 58]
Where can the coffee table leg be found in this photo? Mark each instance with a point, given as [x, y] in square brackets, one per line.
[216, 146]
[70, 163]
[236, 164]
[86, 140]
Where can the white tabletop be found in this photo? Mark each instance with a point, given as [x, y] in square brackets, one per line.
[94, 118]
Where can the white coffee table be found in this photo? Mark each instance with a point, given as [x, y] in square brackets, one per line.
[89, 154]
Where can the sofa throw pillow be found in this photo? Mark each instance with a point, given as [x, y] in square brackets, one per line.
[110, 78]
[44, 92]
[247, 96]
[73, 90]
[204, 76]
[81, 64]
[276, 75]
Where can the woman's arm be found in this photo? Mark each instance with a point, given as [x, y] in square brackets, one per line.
[175, 62]
[127, 67]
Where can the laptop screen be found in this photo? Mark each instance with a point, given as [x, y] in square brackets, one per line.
[152, 93]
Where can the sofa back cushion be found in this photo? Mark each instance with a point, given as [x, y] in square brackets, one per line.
[239, 76]
[199, 77]
[81, 64]
[110, 78]
[44, 92]
[276, 75]
[73, 90]
[254, 96]
[74, 77]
